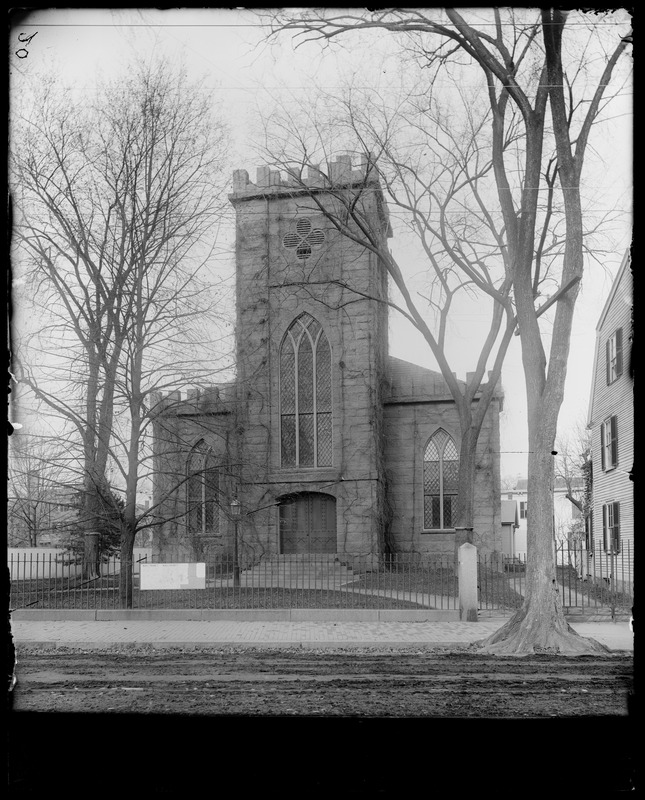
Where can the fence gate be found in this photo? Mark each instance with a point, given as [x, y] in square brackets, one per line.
[308, 524]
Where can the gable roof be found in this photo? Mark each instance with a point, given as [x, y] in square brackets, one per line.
[614, 289]
[577, 483]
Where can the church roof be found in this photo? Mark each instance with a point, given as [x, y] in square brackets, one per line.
[411, 382]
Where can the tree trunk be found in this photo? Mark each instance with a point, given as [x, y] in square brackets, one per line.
[91, 555]
[539, 626]
[93, 519]
[466, 489]
[93, 479]
[126, 574]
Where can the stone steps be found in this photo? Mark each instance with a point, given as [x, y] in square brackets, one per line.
[316, 571]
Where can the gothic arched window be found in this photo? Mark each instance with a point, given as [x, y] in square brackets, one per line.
[305, 395]
[440, 471]
[202, 490]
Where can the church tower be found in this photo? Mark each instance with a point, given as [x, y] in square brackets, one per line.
[311, 362]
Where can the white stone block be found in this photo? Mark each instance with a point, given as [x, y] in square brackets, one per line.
[173, 576]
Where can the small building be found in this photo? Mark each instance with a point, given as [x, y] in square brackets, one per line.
[330, 444]
[611, 421]
[567, 517]
[510, 523]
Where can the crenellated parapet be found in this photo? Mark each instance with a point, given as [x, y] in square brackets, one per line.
[296, 181]
[218, 399]
[338, 173]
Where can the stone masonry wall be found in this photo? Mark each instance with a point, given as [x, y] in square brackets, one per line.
[181, 423]
[380, 425]
[408, 428]
[273, 288]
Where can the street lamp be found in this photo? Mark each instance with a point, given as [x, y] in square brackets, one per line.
[236, 511]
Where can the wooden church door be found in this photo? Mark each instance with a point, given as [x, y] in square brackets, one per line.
[308, 524]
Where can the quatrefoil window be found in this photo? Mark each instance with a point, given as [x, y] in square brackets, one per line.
[305, 240]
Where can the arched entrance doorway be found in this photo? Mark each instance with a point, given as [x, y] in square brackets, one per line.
[308, 523]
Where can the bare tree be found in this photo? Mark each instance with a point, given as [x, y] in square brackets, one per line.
[574, 469]
[509, 482]
[572, 466]
[460, 247]
[38, 485]
[558, 85]
[118, 204]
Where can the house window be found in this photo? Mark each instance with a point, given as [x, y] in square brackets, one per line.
[305, 395]
[611, 527]
[614, 353]
[440, 472]
[522, 509]
[202, 491]
[609, 443]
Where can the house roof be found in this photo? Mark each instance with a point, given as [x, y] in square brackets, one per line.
[510, 515]
[558, 483]
[614, 289]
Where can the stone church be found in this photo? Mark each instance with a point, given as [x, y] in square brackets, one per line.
[328, 443]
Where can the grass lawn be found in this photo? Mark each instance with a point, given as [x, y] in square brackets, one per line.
[106, 597]
[411, 578]
[496, 590]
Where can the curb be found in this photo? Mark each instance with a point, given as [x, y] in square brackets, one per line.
[278, 615]
[277, 645]
[237, 615]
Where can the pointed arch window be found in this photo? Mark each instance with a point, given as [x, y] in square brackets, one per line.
[305, 395]
[202, 491]
[440, 472]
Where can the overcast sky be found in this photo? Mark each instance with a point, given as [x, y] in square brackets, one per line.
[226, 49]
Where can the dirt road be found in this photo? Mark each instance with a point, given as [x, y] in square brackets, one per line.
[303, 682]
[318, 723]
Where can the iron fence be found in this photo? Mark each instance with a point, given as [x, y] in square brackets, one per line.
[312, 580]
[61, 581]
[596, 583]
[593, 582]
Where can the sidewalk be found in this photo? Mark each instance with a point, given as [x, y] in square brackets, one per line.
[315, 634]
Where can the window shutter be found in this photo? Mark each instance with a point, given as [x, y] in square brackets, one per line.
[608, 360]
[619, 352]
[605, 514]
[589, 533]
[616, 530]
[614, 441]
[602, 445]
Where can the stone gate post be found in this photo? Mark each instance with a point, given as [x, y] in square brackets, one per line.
[467, 577]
